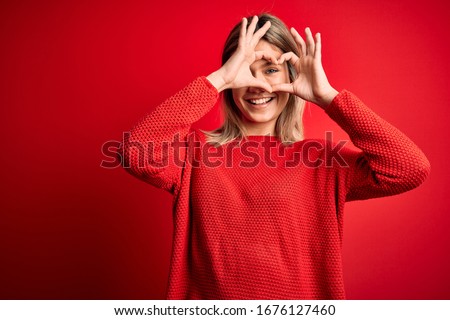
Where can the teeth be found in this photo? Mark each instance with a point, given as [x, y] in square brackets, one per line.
[260, 101]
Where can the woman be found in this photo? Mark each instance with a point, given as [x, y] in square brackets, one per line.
[258, 210]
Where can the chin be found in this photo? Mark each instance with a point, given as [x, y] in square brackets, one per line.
[261, 111]
[261, 118]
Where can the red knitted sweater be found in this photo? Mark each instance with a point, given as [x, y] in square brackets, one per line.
[259, 219]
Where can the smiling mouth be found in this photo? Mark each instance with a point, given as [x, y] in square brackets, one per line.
[260, 101]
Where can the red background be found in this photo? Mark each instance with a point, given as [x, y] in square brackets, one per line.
[75, 74]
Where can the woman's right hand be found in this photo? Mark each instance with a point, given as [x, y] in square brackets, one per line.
[235, 73]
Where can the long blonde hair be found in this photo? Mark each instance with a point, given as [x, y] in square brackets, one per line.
[289, 125]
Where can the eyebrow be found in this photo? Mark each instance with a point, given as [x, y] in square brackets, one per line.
[266, 64]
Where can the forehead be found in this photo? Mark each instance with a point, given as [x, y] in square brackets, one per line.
[263, 45]
[269, 48]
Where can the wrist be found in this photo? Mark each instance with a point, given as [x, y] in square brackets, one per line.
[325, 99]
[217, 80]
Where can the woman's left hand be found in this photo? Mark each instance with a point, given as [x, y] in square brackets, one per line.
[311, 83]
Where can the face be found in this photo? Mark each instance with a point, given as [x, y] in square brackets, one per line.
[260, 109]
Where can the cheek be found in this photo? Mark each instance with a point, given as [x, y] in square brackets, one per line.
[283, 99]
[280, 77]
[237, 95]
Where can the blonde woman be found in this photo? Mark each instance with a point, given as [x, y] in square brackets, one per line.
[258, 209]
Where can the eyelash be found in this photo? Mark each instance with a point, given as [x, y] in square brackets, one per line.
[272, 70]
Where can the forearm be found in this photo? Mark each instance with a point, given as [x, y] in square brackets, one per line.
[147, 150]
[391, 162]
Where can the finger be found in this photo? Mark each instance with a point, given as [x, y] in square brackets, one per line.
[243, 31]
[288, 56]
[266, 56]
[283, 87]
[256, 83]
[251, 29]
[260, 33]
[299, 40]
[318, 51]
[310, 46]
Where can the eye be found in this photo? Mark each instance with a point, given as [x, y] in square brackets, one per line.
[271, 70]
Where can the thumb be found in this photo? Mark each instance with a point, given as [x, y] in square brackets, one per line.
[283, 87]
[261, 84]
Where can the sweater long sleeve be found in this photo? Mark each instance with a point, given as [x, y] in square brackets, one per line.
[248, 229]
[148, 150]
[390, 163]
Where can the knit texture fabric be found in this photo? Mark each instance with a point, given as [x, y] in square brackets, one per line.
[257, 219]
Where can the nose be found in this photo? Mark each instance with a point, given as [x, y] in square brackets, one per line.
[255, 89]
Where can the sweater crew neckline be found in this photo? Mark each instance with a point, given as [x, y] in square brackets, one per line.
[261, 138]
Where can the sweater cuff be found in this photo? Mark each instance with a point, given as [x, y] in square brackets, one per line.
[349, 112]
[209, 84]
[338, 101]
